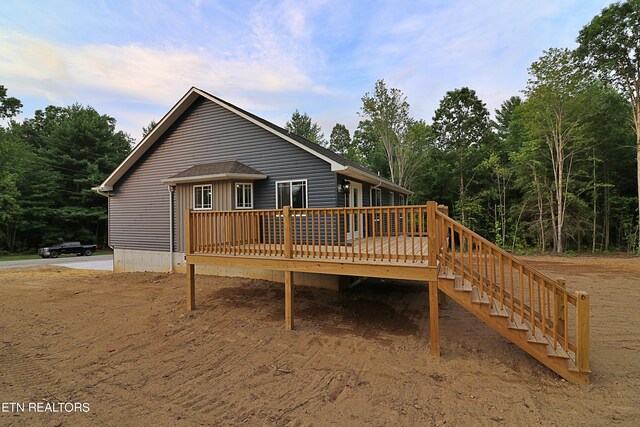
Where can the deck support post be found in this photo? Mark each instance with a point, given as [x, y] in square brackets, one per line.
[288, 275]
[288, 300]
[582, 331]
[434, 321]
[191, 268]
[191, 287]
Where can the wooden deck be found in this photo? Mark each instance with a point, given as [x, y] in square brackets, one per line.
[403, 242]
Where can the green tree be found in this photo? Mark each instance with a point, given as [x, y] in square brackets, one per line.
[148, 128]
[610, 44]
[506, 143]
[303, 126]
[557, 108]
[367, 143]
[462, 129]
[387, 110]
[64, 152]
[9, 106]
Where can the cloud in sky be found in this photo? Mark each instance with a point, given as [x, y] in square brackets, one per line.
[133, 60]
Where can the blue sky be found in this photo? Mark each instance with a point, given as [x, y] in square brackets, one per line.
[134, 59]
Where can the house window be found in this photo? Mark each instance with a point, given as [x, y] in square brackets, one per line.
[400, 199]
[244, 195]
[291, 193]
[376, 197]
[392, 198]
[202, 197]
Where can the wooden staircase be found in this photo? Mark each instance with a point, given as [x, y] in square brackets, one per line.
[528, 308]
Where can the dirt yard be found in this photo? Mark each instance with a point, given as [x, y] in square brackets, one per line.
[124, 344]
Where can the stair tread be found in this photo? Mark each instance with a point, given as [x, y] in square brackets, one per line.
[475, 297]
[557, 352]
[499, 312]
[517, 325]
[537, 338]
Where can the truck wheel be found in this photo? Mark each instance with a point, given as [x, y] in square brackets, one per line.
[87, 252]
[54, 254]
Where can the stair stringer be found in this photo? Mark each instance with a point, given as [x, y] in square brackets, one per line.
[562, 367]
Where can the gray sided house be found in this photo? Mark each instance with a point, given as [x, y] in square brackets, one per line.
[207, 154]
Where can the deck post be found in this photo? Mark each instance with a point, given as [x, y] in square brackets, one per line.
[288, 300]
[432, 247]
[191, 268]
[191, 287]
[434, 321]
[288, 275]
[288, 244]
[442, 297]
[582, 331]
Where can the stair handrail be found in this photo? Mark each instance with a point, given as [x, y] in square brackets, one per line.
[536, 311]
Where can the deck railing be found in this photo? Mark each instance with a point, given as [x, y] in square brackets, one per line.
[551, 312]
[385, 233]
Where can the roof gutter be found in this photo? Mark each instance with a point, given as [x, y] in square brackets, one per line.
[356, 173]
[214, 177]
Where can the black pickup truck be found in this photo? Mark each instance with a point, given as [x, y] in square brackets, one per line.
[67, 248]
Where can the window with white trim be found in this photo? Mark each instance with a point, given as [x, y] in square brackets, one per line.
[244, 195]
[202, 197]
[400, 199]
[291, 193]
[376, 197]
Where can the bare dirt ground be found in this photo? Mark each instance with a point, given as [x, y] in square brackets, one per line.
[125, 344]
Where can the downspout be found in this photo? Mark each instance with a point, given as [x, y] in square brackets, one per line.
[171, 190]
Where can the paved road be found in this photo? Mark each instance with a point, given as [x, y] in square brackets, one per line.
[96, 262]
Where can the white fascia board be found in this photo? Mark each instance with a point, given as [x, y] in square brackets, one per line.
[214, 177]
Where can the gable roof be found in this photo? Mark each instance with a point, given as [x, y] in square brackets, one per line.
[216, 171]
[338, 163]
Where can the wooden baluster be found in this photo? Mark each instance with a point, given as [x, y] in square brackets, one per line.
[326, 248]
[453, 248]
[396, 232]
[492, 275]
[339, 235]
[555, 318]
[521, 278]
[365, 230]
[511, 288]
[566, 320]
[541, 303]
[532, 303]
[388, 233]
[559, 318]
[421, 225]
[470, 256]
[407, 231]
[501, 280]
[360, 232]
[481, 267]
[353, 232]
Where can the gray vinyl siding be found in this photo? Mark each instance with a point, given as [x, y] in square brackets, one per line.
[207, 133]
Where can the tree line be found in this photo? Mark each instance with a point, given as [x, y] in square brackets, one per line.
[557, 168]
[48, 164]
